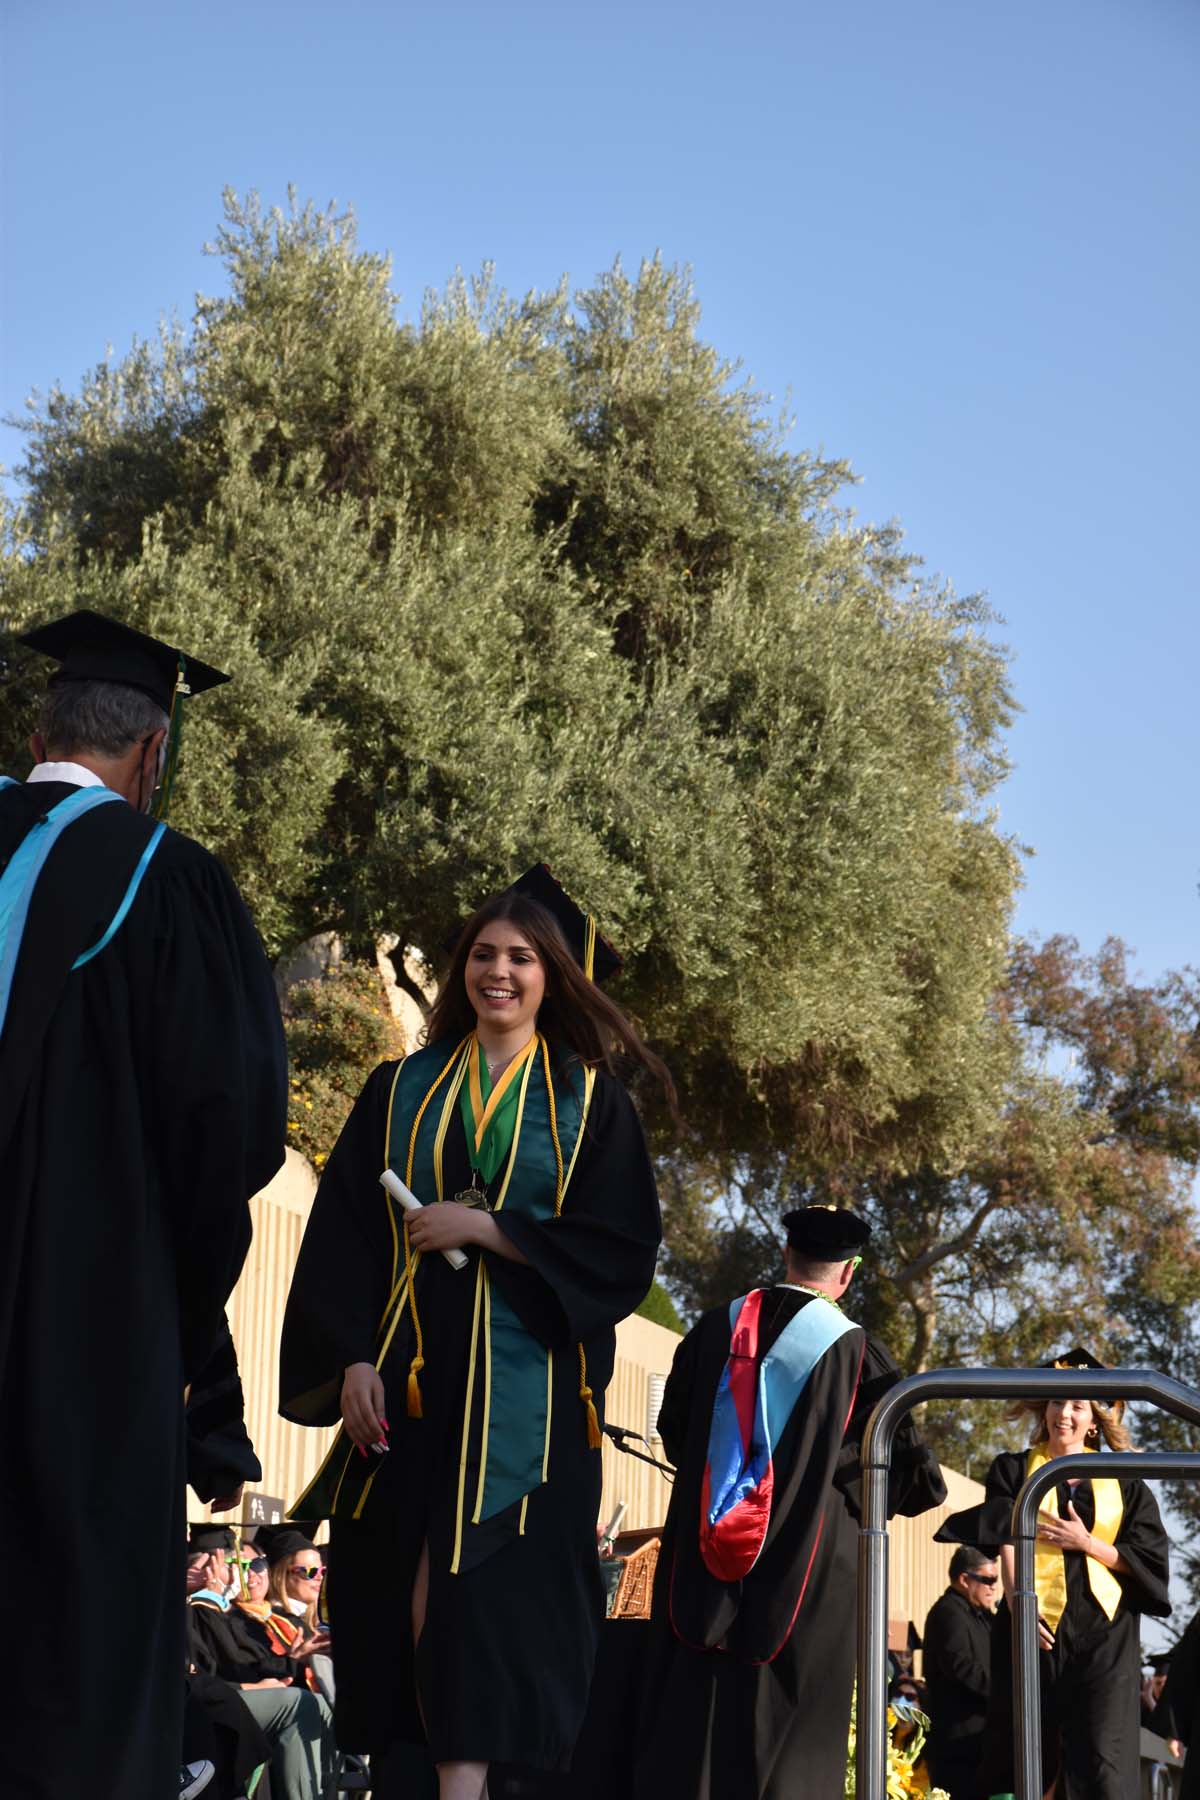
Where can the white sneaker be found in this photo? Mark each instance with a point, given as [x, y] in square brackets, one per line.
[194, 1778]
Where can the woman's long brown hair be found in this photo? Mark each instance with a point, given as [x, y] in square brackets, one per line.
[575, 1012]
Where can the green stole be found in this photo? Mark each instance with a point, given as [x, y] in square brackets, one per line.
[505, 1444]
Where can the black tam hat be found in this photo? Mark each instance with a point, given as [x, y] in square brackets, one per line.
[594, 954]
[826, 1233]
[209, 1536]
[90, 647]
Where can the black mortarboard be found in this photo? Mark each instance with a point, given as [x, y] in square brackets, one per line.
[826, 1233]
[91, 647]
[208, 1535]
[577, 927]
[277, 1541]
[1079, 1358]
[1159, 1660]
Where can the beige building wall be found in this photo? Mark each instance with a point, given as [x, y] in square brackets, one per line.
[291, 1454]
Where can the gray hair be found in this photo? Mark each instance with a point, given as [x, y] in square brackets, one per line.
[105, 717]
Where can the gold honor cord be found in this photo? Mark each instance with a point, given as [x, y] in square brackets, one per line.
[1050, 1565]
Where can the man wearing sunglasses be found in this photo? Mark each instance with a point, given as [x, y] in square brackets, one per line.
[958, 1651]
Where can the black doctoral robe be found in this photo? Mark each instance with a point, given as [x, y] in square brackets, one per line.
[505, 1659]
[142, 1102]
[957, 1667]
[1091, 1679]
[747, 1695]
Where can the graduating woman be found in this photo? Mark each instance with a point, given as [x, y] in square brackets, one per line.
[1100, 1562]
[464, 1485]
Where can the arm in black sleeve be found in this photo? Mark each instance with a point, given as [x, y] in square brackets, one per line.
[220, 1456]
[914, 1480]
[594, 1264]
[343, 1274]
[218, 1081]
[1142, 1543]
[675, 1411]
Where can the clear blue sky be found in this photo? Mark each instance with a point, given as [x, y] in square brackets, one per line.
[963, 238]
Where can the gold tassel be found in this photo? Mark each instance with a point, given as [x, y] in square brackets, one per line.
[585, 1394]
[418, 1361]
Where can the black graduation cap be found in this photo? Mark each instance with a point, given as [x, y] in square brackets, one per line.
[826, 1233]
[1079, 1358]
[576, 926]
[1160, 1660]
[208, 1535]
[91, 647]
[277, 1541]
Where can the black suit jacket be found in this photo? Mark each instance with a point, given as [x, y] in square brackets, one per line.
[958, 1640]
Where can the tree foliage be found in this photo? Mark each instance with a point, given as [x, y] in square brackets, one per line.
[541, 578]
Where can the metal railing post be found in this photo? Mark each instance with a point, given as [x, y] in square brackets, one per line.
[1027, 1695]
[878, 1441]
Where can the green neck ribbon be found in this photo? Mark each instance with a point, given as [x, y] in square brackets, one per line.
[489, 1114]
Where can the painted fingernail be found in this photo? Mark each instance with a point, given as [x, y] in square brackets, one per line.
[385, 1424]
[360, 1449]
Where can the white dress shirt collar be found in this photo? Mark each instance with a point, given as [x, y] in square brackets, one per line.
[73, 772]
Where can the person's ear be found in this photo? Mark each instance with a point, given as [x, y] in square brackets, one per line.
[37, 748]
[153, 751]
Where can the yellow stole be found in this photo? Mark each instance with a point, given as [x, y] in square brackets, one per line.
[1049, 1563]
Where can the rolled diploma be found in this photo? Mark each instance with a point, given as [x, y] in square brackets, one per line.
[408, 1200]
[614, 1524]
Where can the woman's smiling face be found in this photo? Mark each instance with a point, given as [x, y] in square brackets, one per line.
[1068, 1421]
[505, 979]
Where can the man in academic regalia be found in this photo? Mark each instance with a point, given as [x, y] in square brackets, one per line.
[752, 1661]
[142, 1102]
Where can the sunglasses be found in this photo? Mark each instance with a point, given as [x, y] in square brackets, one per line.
[254, 1565]
[984, 1580]
[309, 1572]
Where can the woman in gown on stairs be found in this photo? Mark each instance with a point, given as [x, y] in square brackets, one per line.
[465, 1595]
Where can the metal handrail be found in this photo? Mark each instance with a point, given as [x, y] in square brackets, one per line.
[878, 1439]
[1027, 1697]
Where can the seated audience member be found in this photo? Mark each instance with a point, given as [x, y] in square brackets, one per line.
[958, 1661]
[289, 1633]
[295, 1571]
[227, 1642]
[220, 1734]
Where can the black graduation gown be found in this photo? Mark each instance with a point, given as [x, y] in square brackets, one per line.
[1090, 1680]
[957, 1663]
[1180, 1697]
[748, 1689]
[138, 1123]
[505, 1659]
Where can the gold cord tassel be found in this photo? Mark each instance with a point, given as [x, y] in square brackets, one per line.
[585, 1394]
[413, 1407]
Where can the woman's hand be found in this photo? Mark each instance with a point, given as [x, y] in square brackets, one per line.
[449, 1225]
[362, 1405]
[446, 1226]
[1065, 1534]
[1045, 1635]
